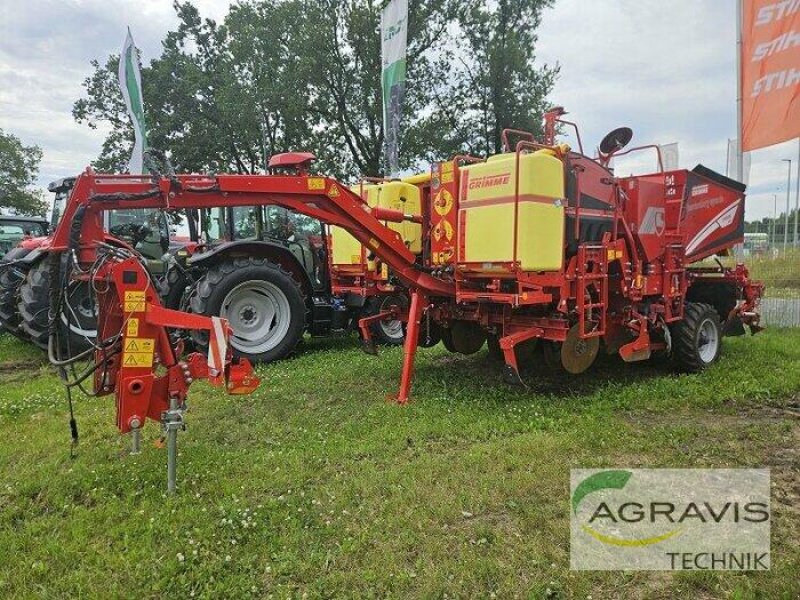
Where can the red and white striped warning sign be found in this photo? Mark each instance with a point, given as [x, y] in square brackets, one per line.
[217, 346]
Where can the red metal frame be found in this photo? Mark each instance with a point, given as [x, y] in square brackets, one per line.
[621, 286]
[142, 367]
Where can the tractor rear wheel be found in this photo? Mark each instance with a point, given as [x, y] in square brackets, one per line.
[172, 288]
[78, 319]
[263, 304]
[696, 339]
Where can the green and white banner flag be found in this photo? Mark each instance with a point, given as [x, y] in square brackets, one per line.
[394, 38]
[130, 82]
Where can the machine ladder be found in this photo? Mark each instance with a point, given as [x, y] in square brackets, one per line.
[592, 272]
[674, 281]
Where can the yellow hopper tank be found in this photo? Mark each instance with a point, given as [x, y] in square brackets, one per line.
[487, 214]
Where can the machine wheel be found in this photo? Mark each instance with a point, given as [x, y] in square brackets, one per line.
[263, 303]
[79, 325]
[430, 333]
[10, 280]
[696, 340]
[466, 337]
[447, 339]
[574, 355]
[390, 332]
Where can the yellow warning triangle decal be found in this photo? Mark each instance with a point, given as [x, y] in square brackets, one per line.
[334, 191]
[131, 360]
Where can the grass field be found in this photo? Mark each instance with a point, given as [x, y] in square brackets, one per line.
[317, 487]
[780, 274]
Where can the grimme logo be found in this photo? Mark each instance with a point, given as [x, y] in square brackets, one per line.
[489, 181]
[667, 519]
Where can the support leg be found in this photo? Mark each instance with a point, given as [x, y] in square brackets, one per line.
[418, 302]
[136, 436]
[172, 421]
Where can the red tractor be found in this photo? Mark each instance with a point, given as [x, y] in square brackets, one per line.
[275, 273]
[25, 280]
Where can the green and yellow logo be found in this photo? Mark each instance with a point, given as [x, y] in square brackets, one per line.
[611, 480]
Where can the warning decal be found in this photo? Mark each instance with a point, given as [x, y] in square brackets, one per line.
[316, 183]
[138, 352]
[138, 359]
[132, 330]
[140, 345]
[134, 302]
[334, 191]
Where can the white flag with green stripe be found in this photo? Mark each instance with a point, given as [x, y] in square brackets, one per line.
[130, 82]
[394, 39]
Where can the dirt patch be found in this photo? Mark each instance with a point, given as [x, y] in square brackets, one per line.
[18, 370]
[19, 365]
[779, 449]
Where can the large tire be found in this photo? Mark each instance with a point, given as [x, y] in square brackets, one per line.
[390, 332]
[172, 288]
[77, 331]
[466, 337]
[263, 303]
[11, 278]
[721, 295]
[697, 338]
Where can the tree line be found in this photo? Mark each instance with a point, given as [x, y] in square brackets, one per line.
[279, 75]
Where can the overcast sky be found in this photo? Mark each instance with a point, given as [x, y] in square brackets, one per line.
[666, 69]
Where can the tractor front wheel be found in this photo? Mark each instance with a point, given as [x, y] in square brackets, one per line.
[263, 304]
[78, 318]
[11, 278]
[696, 339]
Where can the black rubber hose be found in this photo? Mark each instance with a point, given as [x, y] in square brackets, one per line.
[54, 266]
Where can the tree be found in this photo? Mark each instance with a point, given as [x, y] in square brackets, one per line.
[494, 82]
[306, 75]
[344, 54]
[19, 166]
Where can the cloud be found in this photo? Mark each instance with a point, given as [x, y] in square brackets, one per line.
[45, 50]
[666, 69]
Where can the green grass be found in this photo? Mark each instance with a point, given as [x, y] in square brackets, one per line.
[780, 274]
[316, 486]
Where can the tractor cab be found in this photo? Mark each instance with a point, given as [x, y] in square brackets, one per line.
[300, 235]
[16, 229]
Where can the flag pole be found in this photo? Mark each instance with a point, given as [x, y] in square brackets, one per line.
[728, 159]
[797, 196]
[739, 104]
